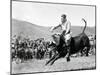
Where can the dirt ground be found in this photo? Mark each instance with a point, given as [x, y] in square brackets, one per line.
[76, 63]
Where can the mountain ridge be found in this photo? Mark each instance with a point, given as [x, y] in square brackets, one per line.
[36, 31]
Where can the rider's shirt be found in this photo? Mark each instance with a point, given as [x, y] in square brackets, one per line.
[66, 26]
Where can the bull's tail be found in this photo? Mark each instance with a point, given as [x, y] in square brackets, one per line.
[85, 24]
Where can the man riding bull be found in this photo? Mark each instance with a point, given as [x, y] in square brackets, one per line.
[66, 29]
[69, 45]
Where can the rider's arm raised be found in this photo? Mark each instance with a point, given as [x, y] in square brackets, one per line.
[53, 28]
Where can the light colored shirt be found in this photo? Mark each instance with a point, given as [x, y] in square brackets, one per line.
[66, 26]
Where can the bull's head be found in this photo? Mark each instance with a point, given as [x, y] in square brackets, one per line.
[56, 38]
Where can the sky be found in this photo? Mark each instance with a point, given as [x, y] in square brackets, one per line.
[45, 14]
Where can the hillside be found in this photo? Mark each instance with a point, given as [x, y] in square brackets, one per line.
[32, 30]
[35, 31]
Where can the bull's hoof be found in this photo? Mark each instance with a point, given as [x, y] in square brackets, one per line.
[68, 59]
[87, 55]
[46, 64]
[51, 64]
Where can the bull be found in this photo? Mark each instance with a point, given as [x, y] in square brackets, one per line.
[77, 44]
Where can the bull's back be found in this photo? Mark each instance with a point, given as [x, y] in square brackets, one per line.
[76, 43]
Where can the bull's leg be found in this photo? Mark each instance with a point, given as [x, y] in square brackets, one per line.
[68, 55]
[87, 51]
[83, 51]
[56, 58]
[68, 59]
[51, 59]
